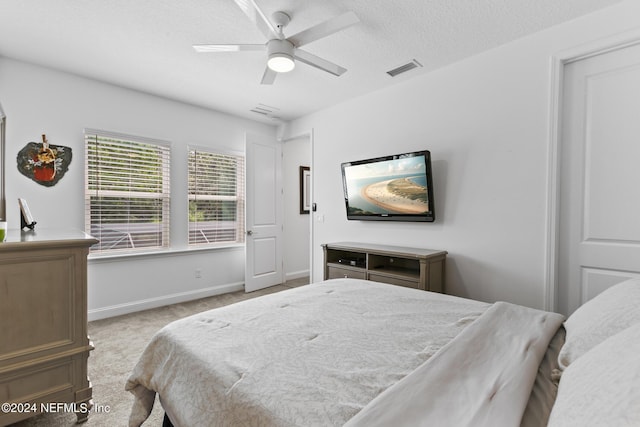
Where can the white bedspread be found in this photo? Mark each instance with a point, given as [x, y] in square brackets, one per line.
[481, 378]
[312, 356]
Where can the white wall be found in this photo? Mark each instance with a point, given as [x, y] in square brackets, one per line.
[486, 121]
[296, 153]
[39, 101]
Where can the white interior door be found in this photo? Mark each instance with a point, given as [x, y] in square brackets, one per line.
[263, 263]
[599, 203]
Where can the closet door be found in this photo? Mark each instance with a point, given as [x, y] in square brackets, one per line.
[599, 229]
[264, 223]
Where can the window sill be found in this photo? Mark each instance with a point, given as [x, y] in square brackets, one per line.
[121, 256]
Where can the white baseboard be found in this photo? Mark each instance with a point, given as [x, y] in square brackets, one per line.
[134, 306]
[296, 274]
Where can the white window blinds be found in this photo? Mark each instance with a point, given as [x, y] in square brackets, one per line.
[126, 192]
[216, 197]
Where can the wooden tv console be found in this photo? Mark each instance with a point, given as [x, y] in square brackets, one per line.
[43, 318]
[411, 267]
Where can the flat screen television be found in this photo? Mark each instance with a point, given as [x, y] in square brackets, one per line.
[390, 188]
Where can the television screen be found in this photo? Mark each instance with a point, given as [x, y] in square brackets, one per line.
[391, 188]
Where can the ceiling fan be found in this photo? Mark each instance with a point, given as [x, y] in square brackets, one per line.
[282, 52]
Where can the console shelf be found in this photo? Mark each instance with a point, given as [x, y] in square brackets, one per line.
[411, 267]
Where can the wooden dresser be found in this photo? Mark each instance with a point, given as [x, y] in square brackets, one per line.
[43, 323]
[410, 267]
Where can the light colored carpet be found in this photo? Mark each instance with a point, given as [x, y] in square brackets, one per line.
[119, 341]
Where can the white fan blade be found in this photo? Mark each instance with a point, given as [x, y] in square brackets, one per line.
[315, 61]
[268, 77]
[203, 48]
[324, 29]
[255, 14]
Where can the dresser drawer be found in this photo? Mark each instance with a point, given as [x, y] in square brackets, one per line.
[37, 381]
[341, 272]
[394, 281]
[33, 385]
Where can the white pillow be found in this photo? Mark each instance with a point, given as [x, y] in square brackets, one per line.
[608, 313]
[601, 387]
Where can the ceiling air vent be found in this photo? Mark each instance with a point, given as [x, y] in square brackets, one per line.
[404, 68]
[266, 110]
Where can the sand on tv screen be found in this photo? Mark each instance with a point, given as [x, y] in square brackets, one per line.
[395, 187]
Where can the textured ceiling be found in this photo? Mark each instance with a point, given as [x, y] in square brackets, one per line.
[146, 44]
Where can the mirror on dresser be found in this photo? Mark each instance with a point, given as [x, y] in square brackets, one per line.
[3, 121]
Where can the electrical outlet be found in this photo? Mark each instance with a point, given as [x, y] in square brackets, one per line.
[198, 273]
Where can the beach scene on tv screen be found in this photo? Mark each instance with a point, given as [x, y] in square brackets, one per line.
[396, 186]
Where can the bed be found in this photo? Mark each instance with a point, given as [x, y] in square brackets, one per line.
[359, 353]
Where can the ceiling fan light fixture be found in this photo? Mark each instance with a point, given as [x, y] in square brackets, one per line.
[283, 52]
[281, 62]
[280, 53]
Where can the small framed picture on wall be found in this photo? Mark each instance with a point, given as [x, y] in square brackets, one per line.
[305, 190]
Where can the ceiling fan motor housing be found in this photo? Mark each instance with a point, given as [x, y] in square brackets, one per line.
[280, 53]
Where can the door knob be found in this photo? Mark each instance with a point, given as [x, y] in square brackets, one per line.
[249, 232]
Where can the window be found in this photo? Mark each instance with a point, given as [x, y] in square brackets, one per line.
[126, 192]
[216, 197]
